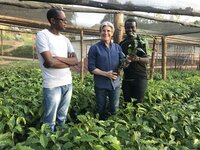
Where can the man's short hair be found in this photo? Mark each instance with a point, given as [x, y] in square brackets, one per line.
[52, 13]
[131, 20]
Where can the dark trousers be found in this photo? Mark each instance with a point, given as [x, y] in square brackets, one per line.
[134, 88]
[101, 99]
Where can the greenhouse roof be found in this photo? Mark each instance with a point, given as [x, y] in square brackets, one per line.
[35, 12]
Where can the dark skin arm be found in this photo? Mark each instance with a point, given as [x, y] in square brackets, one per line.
[53, 62]
[71, 60]
[135, 58]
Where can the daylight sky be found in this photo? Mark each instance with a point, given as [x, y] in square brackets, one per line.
[163, 3]
[89, 19]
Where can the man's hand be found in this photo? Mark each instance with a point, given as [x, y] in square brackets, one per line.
[133, 58]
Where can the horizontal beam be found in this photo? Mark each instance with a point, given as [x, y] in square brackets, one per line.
[66, 8]
[42, 25]
[127, 7]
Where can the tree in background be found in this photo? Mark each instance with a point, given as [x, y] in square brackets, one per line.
[197, 22]
[71, 16]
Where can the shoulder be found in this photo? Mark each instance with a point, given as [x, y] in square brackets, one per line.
[93, 48]
[122, 42]
[116, 45]
[96, 45]
[66, 38]
[43, 33]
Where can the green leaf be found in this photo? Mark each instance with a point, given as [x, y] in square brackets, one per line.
[116, 146]
[109, 139]
[57, 146]
[136, 136]
[35, 132]
[53, 138]
[8, 111]
[2, 125]
[82, 118]
[98, 131]
[6, 143]
[43, 140]
[21, 119]
[19, 128]
[172, 130]
[87, 138]
[68, 145]
[188, 130]
[147, 129]
[174, 118]
[11, 122]
[4, 136]
[99, 147]
[44, 127]
[196, 142]
[25, 148]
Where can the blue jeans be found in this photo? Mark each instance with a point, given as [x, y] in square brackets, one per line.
[101, 100]
[56, 103]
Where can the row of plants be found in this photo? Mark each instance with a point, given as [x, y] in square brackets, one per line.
[168, 119]
[25, 51]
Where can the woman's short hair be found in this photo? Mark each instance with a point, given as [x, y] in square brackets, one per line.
[107, 23]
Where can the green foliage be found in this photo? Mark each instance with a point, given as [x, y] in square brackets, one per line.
[8, 36]
[197, 22]
[169, 118]
[6, 47]
[22, 51]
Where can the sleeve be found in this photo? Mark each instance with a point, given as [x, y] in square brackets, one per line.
[121, 54]
[91, 59]
[41, 42]
[122, 57]
[69, 46]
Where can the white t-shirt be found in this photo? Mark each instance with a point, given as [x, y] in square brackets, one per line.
[58, 45]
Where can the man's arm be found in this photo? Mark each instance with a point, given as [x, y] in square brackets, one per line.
[51, 62]
[71, 60]
[135, 58]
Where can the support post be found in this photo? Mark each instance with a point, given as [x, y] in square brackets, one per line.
[164, 58]
[1, 42]
[119, 27]
[82, 56]
[153, 58]
[33, 47]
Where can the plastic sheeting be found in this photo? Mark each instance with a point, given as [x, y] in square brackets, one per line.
[162, 4]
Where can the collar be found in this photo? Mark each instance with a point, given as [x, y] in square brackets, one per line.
[104, 44]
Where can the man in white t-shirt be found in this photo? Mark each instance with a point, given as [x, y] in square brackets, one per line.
[56, 55]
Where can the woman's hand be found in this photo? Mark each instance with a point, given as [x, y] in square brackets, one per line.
[112, 75]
